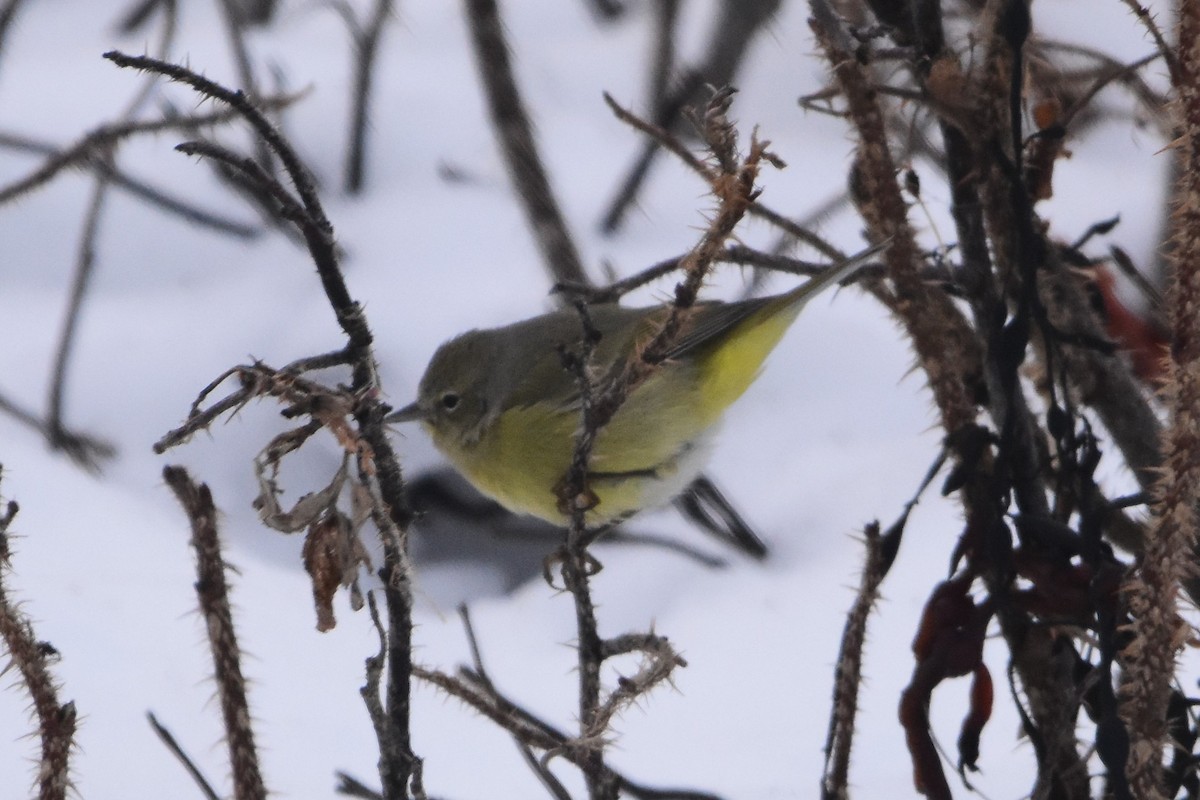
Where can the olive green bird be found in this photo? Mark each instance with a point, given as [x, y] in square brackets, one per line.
[501, 407]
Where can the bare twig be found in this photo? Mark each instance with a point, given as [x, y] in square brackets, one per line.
[676, 146]
[835, 784]
[552, 784]
[252, 173]
[485, 699]
[379, 474]
[85, 450]
[102, 138]
[1174, 66]
[83, 272]
[353, 787]
[171, 743]
[366, 41]
[32, 658]
[213, 593]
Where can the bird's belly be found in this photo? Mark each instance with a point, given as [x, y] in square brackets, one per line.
[523, 471]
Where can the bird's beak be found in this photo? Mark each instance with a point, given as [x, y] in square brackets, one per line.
[410, 413]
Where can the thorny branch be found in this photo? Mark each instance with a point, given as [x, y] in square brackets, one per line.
[1027, 300]
[835, 784]
[1158, 633]
[32, 660]
[379, 481]
[473, 687]
[213, 592]
[733, 186]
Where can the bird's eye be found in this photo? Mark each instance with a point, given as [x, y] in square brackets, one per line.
[450, 401]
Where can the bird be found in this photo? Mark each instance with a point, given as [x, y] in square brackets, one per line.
[505, 411]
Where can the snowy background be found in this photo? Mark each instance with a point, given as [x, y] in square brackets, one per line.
[836, 433]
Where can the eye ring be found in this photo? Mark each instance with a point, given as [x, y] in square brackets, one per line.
[450, 400]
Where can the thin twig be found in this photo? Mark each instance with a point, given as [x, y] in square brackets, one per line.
[85, 450]
[366, 48]
[235, 25]
[172, 744]
[103, 137]
[85, 262]
[1165, 50]
[552, 784]
[676, 146]
[733, 185]
[469, 688]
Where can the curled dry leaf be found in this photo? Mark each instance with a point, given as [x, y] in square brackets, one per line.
[307, 509]
[333, 554]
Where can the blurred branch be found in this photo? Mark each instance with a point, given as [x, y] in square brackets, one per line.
[662, 61]
[366, 41]
[675, 146]
[85, 450]
[353, 787]
[84, 265]
[155, 197]
[139, 13]
[105, 137]
[666, 111]
[541, 770]
[235, 24]
[511, 124]
[734, 28]
[607, 10]
[8, 13]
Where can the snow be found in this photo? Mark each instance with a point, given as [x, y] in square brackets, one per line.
[836, 433]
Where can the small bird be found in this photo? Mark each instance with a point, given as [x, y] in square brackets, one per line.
[501, 406]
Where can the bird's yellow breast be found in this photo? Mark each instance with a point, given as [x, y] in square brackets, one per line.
[641, 456]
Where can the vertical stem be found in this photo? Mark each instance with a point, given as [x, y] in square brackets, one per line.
[1158, 630]
[521, 156]
[79, 286]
